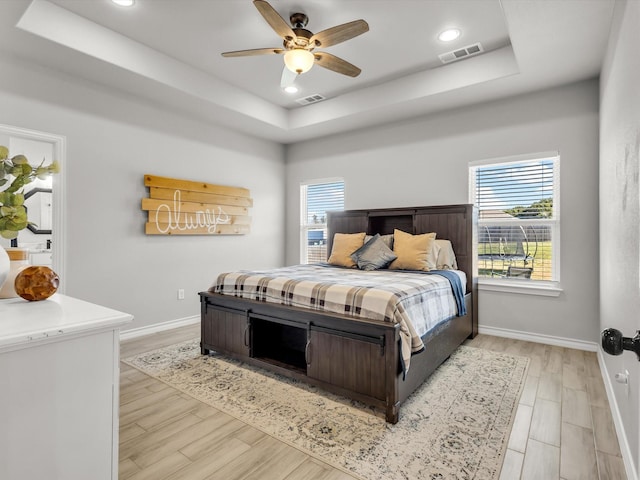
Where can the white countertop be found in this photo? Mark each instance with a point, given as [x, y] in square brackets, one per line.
[23, 322]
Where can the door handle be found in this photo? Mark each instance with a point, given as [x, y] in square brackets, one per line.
[614, 343]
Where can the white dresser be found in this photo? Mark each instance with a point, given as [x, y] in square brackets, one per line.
[44, 257]
[59, 389]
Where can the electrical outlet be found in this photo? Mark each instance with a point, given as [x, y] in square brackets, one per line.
[181, 294]
[627, 387]
[623, 378]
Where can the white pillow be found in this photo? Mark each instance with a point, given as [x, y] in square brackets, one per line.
[446, 256]
[432, 255]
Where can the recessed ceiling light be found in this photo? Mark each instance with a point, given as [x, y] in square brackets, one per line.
[449, 34]
[291, 89]
[124, 3]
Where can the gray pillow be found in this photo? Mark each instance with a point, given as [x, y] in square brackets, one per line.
[373, 255]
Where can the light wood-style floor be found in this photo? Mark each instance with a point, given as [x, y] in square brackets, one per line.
[563, 427]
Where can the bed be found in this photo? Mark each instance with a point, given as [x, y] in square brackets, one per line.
[364, 357]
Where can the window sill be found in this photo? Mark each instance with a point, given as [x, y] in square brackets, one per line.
[526, 287]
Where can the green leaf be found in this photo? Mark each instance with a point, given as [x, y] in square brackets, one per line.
[20, 213]
[19, 160]
[8, 199]
[8, 234]
[21, 169]
[16, 225]
[16, 185]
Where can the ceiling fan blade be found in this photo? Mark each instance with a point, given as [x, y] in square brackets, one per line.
[339, 34]
[255, 51]
[336, 64]
[274, 19]
[288, 78]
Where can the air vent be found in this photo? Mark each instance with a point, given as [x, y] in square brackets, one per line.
[460, 53]
[315, 98]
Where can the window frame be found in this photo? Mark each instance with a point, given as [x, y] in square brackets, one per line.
[304, 226]
[515, 285]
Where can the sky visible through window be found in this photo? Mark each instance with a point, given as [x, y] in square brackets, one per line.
[506, 186]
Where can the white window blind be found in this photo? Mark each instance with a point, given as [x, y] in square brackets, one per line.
[518, 225]
[317, 198]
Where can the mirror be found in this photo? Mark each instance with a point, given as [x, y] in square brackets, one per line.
[38, 203]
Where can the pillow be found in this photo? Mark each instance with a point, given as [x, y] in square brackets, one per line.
[432, 255]
[373, 255]
[415, 252]
[446, 256]
[387, 239]
[344, 244]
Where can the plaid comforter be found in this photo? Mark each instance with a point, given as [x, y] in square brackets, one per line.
[415, 301]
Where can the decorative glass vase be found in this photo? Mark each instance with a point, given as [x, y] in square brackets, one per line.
[19, 260]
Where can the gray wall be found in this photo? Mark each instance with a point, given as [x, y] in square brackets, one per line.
[112, 141]
[620, 210]
[425, 162]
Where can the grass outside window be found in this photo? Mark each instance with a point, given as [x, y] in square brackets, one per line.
[492, 261]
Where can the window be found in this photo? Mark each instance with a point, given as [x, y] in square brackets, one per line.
[518, 218]
[316, 199]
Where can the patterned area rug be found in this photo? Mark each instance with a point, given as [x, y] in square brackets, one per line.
[455, 426]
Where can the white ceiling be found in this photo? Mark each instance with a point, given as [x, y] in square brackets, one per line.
[168, 51]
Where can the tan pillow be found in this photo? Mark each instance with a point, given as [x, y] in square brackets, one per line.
[415, 252]
[344, 244]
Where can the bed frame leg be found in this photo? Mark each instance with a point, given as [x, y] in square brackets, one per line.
[392, 414]
[203, 351]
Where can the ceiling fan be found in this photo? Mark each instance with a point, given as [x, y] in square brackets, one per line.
[299, 44]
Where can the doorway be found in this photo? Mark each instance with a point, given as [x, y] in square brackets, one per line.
[43, 198]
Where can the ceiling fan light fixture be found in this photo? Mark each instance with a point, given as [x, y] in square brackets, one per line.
[299, 60]
[449, 34]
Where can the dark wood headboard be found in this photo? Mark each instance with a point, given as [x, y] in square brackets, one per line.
[457, 223]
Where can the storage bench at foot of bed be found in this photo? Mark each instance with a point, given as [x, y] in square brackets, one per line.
[358, 359]
[351, 362]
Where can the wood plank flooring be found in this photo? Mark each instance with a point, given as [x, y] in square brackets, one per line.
[563, 427]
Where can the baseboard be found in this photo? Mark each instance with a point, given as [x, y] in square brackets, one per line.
[158, 327]
[625, 449]
[539, 338]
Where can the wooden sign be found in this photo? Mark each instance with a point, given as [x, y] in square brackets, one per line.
[183, 207]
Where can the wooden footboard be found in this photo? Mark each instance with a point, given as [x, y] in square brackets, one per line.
[358, 359]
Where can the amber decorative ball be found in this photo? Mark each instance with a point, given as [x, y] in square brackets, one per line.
[36, 283]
